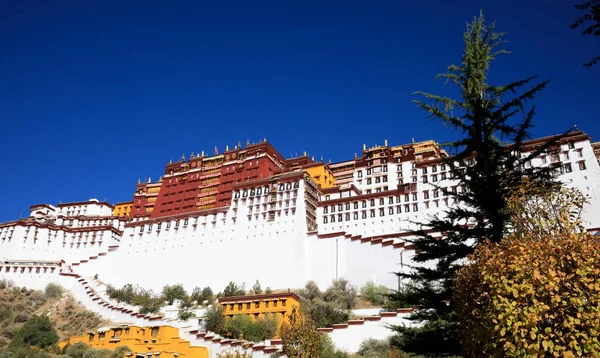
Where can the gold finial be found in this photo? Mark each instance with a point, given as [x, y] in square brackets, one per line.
[312, 158]
[149, 180]
[170, 161]
[192, 155]
[385, 142]
[202, 153]
[364, 146]
[139, 181]
[305, 153]
[183, 157]
[413, 140]
[265, 139]
[227, 147]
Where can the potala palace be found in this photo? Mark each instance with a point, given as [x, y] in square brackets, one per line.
[248, 213]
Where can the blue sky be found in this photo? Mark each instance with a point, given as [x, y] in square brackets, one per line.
[96, 94]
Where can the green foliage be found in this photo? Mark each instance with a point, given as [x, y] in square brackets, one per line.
[327, 309]
[443, 332]
[373, 348]
[242, 327]
[268, 290]
[233, 290]
[200, 295]
[311, 291]
[37, 331]
[97, 353]
[137, 296]
[325, 314]
[341, 293]
[375, 294]
[184, 315]
[53, 290]
[77, 349]
[256, 289]
[590, 20]
[537, 292]
[485, 167]
[215, 320]
[174, 292]
[300, 338]
[119, 351]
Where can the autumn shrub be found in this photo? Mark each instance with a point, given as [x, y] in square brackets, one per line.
[300, 338]
[235, 354]
[536, 293]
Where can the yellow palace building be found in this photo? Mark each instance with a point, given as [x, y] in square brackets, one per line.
[147, 342]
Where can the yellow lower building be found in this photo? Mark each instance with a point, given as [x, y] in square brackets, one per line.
[149, 342]
[278, 305]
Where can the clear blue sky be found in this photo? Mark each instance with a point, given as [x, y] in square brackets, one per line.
[96, 94]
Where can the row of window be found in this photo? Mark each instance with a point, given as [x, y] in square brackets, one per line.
[371, 213]
[259, 191]
[248, 305]
[390, 199]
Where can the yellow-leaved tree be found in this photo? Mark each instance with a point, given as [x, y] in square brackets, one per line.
[537, 292]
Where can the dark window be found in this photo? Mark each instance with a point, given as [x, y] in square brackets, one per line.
[356, 205]
[372, 212]
[381, 212]
[355, 215]
[381, 201]
[364, 214]
[372, 202]
[582, 166]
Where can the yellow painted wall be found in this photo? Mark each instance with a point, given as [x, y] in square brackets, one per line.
[142, 340]
[123, 209]
[322, 176]
[278, 305]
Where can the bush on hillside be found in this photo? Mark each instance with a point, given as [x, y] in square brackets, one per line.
[97, 353]
[53, 290]
[120, 351]
[342, 293]
[329, 308]
[200, 295]
[376, 294]
[36, 332]
[170, 293]
[233, 290]
[325, 314]
[257, 289]
[215, 320]
[77, 349]
[243, 327]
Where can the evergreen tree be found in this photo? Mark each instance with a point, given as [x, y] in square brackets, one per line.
[486, 167]
[591, 19]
